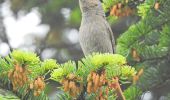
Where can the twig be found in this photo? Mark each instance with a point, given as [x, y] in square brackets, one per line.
[120, 93]
[118, 89]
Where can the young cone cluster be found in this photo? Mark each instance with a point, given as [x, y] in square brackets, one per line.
[72, 85]
[157, 5]
[135, 55]
[95, 81]
[120, 10]
[38, 86]
[18, 76]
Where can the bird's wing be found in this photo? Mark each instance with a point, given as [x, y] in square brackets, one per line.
[111, 36]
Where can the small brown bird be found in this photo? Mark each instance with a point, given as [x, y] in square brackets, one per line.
[95, 34]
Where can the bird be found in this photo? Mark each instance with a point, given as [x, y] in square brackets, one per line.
[95, 34]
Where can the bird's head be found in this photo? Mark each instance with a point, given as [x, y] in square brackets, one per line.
[87, 5]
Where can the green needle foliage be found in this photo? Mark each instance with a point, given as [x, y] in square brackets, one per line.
[49, 64]
[63, 71]
[146, 44]
[113, 64]
[132, 93]
[28, 65]
[27, 58]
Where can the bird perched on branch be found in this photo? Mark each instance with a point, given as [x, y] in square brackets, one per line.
[95, 34]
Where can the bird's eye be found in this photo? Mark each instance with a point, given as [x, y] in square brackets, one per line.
[101, 0]
[96, 4]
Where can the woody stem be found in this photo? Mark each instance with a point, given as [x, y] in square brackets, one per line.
[119, 92]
